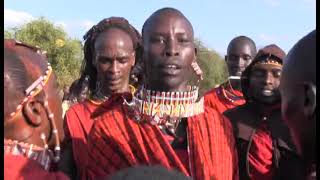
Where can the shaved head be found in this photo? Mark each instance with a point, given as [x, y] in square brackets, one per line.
[240, 41]
[298, 92]
[300, 64]
[159, 14]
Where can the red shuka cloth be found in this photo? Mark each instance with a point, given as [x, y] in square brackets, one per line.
[260, 154]
[215, 98]
[117, 141]
[20, 167]
[77, 127]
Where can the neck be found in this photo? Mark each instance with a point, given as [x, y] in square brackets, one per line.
[167, 88]
[106, 91]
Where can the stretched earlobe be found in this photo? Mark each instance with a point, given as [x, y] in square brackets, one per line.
[34, 112]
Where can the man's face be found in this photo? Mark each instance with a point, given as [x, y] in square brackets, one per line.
[239, 57]
[264, 82]
[168, 51]
[114, 58]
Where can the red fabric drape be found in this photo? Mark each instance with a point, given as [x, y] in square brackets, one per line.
[260, 154]
[77, 127]
[20, 168]
[116, 141]
[215, 98]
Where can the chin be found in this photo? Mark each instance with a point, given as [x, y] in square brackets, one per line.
[170, 84]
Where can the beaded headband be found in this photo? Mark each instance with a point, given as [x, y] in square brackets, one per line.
[272, 62]
[269, 60]
[34, 89]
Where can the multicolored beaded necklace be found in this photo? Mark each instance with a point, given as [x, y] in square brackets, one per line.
[165, 109]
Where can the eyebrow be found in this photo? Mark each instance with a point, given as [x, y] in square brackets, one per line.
[120, 56]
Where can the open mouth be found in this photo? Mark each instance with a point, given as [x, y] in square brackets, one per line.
[267, 92]
[170, 69]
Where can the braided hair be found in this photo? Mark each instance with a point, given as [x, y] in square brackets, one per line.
[87, 68]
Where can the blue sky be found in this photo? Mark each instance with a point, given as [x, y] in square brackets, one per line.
[215, 22]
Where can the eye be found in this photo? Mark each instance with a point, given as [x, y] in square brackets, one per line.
[123, 60]
[258, 73]
[232, 57]
[277, 73]
[183, 39]
[246, 57]
[158, 39]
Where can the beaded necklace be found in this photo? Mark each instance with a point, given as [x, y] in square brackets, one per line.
[165, 109]
[30, 151]
[99, 98]
[229, 96]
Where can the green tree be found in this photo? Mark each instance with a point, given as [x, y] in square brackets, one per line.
[213, 67]
[63, 52]
[8, 34]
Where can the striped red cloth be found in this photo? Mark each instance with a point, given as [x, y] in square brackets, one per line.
[76, 128]
[215, 98]
[117, 141]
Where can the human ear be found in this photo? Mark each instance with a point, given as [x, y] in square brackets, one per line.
[34, 112]
[133, 59]
[310, 97]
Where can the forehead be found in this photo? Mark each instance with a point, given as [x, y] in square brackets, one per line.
[240, 47]
[113, 38]
[168, 22]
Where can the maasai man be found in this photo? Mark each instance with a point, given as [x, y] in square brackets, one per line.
[241, 51]
[165, 123]
[265, 147]
[111, 49]
[298, 92]
[32, 114]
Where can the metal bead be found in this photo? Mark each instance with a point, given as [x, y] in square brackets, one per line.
[51, 115]
[43, 136]
[46, 103]
[19, 106]
[32, 93]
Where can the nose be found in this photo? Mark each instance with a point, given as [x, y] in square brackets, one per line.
[171, 48]
[268, 79]
[114, 69]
